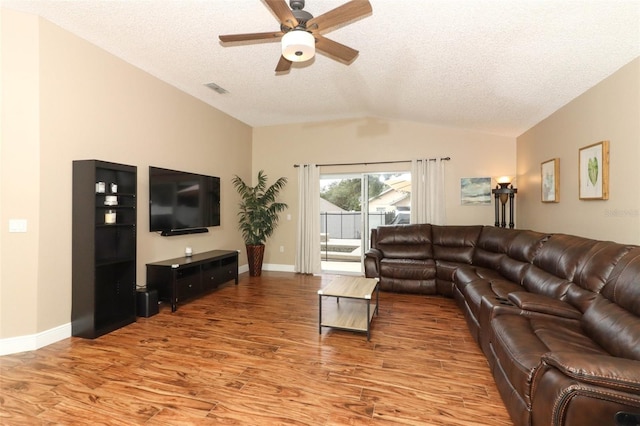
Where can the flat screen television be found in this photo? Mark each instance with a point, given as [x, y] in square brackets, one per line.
[182, 202]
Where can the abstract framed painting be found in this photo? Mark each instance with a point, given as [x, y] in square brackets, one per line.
[475, 191]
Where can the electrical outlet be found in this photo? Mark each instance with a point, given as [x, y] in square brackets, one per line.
[281, 249]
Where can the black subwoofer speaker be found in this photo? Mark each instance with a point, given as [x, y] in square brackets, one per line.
[147, 302]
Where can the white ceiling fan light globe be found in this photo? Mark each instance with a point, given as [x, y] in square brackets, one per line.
[298, 46]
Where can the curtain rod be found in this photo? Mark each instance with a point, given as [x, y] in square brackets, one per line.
[372, 162]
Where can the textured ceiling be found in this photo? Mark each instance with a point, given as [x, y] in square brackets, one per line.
[497, 66]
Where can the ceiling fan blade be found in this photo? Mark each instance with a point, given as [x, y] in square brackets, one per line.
[334, 49]
[251, 36]
[282, 11]
[283, 64]
[340, 15]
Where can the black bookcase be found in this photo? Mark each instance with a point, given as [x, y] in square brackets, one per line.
[104, 247]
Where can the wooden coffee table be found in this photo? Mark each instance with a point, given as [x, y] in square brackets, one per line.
[355, 311]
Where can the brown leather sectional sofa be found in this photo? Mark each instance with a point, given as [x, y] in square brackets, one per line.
[557, 316]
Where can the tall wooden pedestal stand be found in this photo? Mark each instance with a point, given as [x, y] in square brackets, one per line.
[502, 194]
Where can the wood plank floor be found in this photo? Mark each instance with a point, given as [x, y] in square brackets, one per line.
[252, 354]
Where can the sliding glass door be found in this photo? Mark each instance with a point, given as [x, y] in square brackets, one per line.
[350, 206]
[340, 222]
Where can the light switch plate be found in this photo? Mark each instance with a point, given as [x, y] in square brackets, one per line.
[17, 225]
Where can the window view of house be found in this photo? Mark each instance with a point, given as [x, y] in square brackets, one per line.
[386, 199]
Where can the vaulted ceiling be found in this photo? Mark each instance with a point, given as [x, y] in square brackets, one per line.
[495, 66]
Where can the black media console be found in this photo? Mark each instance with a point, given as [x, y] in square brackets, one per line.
[182, 278]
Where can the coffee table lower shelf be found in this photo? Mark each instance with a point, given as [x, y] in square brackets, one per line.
[348, 315]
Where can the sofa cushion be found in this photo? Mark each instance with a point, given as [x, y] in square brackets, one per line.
[526, 244]
[539, 281]
[513, 269]
[508, 251]
[614, 328]
[454, 243]
[581, 260]
[496, 243]
[519, 342]
[573, 269]
[597, 266]
[405, 241]
[400, 285]
[623, 286]
[613, 319]
[492, 246]
[409, 269]
[563, 254]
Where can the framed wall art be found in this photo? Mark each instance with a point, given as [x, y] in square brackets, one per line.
[475, 191]
[593, 170]
[550, 180]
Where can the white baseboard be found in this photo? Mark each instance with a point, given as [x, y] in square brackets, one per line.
[269, 267]
[32, 342]
[278, 267]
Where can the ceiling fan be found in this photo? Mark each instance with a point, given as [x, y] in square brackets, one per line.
[302, 34]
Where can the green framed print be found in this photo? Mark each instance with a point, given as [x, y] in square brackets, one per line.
[593, 162]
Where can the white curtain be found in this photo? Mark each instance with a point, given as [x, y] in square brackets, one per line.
[427, 191]
[308, 239]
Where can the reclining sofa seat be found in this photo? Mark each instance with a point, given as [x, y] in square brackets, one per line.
[590, 387]
[419, 258]
[586, 352]
[558, 317]
[402, 258]
[500, 261]
[453, 247]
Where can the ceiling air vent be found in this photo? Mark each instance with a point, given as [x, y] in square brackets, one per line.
[217, 88]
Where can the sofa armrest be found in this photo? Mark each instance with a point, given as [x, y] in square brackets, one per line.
[375, 253]
[572, 388]
[372, 259]
[533, 302]
[602, 370]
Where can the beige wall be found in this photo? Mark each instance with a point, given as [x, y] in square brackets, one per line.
[276, 149]
[608, 111]
[19, 174]
[65, 99]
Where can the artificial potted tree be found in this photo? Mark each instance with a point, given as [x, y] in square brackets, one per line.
[258, 216]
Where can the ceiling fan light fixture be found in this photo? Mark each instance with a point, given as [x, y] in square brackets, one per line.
[298, 45]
